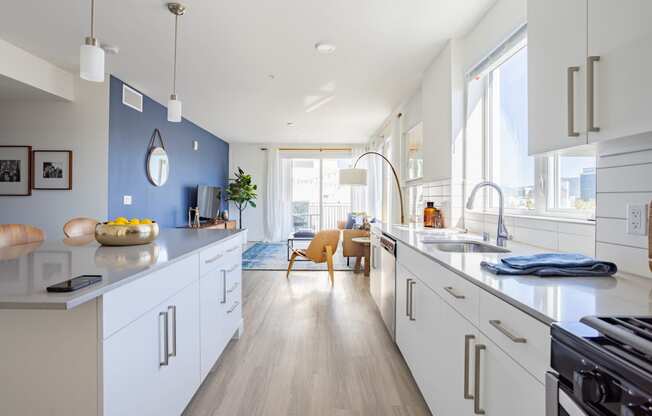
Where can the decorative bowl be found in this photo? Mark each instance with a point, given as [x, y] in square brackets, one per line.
[126, 235]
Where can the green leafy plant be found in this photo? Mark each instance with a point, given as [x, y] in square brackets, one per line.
[242, 192]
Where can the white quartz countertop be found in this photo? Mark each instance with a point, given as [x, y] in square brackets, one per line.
[26, 271]
[546, 299]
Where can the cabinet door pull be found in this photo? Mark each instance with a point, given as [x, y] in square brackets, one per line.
[235, 305]
[451, 292]
[590, 93]
[570, 85]
[214, 259]
[498, 325]
[407, 297]
[232, 249]
[172, 311]
[467, 364]
[476, 387]
[412, 283]
[163, 345]
[223, 287]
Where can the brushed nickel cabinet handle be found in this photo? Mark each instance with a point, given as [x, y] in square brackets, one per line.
[451, 292]
[172, 311]
[214, 259]
[407, 297]
[590, 93]
[163, 345]
[476, 388]
[498, 325]
[223, 287]
[467, 354]
[570, 86]
[232, 249]
[412, 283]
[235, 305]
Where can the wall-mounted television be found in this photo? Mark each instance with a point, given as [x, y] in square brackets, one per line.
[209, 201]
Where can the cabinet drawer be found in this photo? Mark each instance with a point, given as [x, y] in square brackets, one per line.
[125, 304]
[212, 257]
[455, 290]
[522, 337]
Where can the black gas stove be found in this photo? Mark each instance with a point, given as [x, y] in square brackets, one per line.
[603, 367]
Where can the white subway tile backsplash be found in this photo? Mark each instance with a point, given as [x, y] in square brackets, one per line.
[630, 178]
[614, 205]
[612, 230]
[629, 259]
[573, 243]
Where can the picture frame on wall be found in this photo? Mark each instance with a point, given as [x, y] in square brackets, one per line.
[52, 169]
[15, 171]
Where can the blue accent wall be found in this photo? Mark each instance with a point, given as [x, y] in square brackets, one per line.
[129, 134]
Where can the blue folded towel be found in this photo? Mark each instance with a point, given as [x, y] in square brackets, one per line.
[552, 264]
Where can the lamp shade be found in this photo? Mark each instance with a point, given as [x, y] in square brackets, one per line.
[353, 176]
[91, 63]
[174, 109]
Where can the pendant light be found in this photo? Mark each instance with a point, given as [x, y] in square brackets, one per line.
[91, 56]
[174, 105]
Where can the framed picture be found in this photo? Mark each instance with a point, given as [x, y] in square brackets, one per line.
[15, 171]
[52, 169]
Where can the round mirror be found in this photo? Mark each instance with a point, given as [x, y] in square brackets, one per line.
[158, 166]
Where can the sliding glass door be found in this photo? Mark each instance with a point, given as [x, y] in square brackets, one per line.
[318, 201]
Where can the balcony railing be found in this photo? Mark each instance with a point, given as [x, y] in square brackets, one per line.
[310, 218]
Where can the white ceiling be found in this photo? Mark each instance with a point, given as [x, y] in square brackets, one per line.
[228, 50]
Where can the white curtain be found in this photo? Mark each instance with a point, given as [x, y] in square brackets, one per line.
[278, 196]
[359, 193]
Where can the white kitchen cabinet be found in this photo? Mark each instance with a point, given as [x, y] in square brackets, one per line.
[620, 34]
[557, 39]
[406, 328]
[505, 388]
[437, 114]
[149, 370]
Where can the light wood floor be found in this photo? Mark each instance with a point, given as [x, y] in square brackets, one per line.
[309, 350]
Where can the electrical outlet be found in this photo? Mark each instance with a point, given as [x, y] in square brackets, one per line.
[637, 219]
[126, 200]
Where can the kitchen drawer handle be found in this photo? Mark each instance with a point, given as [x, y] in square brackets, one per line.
[451, 292]
[467, 354]
[172, 310]
[233, 268]
[234, 287]
[590, 93]
[407, 297]
[223, 287]
[214, 259]
[232, 249]
[235, 305]
[476, 387]
[570, 85]
[166, 355]
[412, 283]
[498, 325]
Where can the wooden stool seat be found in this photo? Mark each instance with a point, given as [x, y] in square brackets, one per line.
[17, 234]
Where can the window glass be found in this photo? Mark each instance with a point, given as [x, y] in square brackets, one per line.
[414, 151]
[574, 182]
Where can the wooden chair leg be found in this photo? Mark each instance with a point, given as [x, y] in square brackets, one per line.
[292, 259]
[329, 262]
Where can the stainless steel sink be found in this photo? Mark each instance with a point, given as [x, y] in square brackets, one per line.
[469, 247]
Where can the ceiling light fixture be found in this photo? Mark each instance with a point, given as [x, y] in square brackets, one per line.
[91, 56]
[325, 48]
[174, 105]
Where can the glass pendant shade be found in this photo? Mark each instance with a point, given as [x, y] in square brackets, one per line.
[91, 63]
[174, 109]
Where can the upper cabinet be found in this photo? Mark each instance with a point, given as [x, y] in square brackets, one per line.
[436, 110]
[587, 71]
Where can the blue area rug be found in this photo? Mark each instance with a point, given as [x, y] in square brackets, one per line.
[273, 256]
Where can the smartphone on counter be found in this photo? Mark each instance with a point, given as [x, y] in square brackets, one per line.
[75, 283]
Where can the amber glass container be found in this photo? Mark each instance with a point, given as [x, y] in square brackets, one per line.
[429, 214]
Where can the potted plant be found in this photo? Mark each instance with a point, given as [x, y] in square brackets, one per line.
[242, 192]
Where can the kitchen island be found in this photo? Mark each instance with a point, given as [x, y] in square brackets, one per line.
[140, 342]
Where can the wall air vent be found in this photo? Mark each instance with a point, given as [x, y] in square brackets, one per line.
[132, 98]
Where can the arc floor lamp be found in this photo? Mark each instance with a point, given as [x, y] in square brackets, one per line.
[358, 177]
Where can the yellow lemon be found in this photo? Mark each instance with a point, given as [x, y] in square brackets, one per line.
[121, 220]
[134, 221]
[146, 221]
[111, 223]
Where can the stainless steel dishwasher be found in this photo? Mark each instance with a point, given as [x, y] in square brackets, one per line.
[387, 304]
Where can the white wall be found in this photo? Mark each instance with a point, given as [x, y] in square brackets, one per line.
[254, 161]
[81, 126]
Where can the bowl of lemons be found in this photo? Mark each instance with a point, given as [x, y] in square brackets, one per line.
[126, 232]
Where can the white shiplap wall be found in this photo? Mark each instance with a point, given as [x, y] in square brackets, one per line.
[624, 172]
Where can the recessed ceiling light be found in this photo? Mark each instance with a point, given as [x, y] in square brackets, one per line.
[290, 124]
[325, 48]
